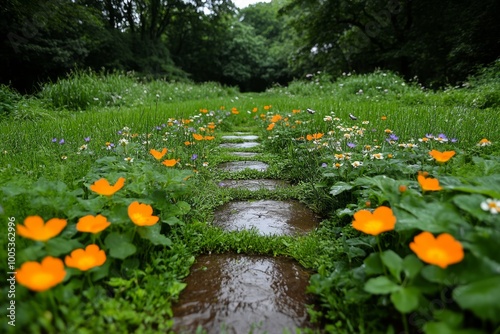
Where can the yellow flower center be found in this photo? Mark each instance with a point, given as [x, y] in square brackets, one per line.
[373, 227]
[437, 255]
[86, 262]
[41, 280]
[139, 218]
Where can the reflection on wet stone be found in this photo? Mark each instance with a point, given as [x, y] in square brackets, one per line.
[247, 137]
[268, 217]
[238, 166]
[253, 185]
[249, 144]
[240, 293]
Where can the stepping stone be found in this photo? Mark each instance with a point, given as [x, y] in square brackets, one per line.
[248, 144]
[254, 184]
[268, 217]
[238, 166]
[234, 294]
[247, 137]
[245, 154]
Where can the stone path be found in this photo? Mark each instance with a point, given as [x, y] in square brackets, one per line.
[228, 293]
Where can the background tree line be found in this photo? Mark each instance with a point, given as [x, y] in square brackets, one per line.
[210, 40]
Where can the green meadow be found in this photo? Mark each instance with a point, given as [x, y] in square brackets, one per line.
[354, 148]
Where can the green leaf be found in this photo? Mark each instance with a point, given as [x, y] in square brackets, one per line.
[481, 297]
[172, 221]
[412, 265]
[393, 262]
[119, 246]
[373, 264]
[433, 327]
[434, 274]
[381, 285]
[184, 207]
[405, 299]
[472, 204]
[340, 187]
[153, 234]
[59, 246]
[453, 319]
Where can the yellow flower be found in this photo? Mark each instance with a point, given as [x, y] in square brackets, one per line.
[92, 224]
[170, 162]
[441, 251]
[442, 156]
[428, 184]
[142, 214]
[381, 220]
[35, 229]
[102, 186]
[41, 276]
[383, 118]
[85, 259]
[158, 155]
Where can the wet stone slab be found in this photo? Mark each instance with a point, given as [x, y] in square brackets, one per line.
[245, 154]
[238, 166]
[241, 137]
[254, 184]
[238, 293]
[268, 217]
[248, 144]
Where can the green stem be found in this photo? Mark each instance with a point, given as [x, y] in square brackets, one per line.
[405, 323]
[380, 252]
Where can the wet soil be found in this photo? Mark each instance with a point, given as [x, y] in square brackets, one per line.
[239, 293]
[268, 217]
[238, 166]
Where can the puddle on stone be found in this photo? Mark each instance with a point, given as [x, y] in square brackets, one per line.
[238, 293]
[248, 144]
[254, 184]
[238, 166]
[268, 217]
[245, 154]
[247, 137]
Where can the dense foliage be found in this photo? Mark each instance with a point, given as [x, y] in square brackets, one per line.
[254, 48]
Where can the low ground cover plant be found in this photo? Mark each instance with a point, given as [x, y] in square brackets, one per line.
[113, 205]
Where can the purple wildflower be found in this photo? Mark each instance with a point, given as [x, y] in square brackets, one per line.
[429, 135]
[442, 136]
[454, 140]
[392, 136]
[351, 145]
[120, 132]
[324, 165]
[87, 139]
[194, 156]
[54, 140]
[61, 141]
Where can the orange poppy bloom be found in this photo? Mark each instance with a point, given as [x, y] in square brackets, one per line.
[428, 184]
[41, 276]
[158, 155]
[234, 111]
[442, 156]
[295, 111]
[402, 188]
[186, 121]
[441, 251]
[209, 137]
[204, 111]
[255, 110]
[85, 259]
[276, 118]
[197, 136]
[187, 143]
[142, 214]
[271, 126]
[102, 186]
[381, 220]
[314, 136]
[211, 126]
[92, 224]
[35, 229]
[267, 107]
[170, 162]
[383, 118]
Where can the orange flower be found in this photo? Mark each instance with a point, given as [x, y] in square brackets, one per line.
[442, 156]
[209, 137]
[187, 143]
[428, 184]
[381, 220]
[170, 162]
[211, 126]
[276, 118]
[102, 186]
[204, 111]
[271, 126]
[142, 214]
[255, 110]
[441, 251]
[295, 111]
[186, 121]
[158, 155]
[41, 276]
[383, 118]
[314, 136]
[484, 142]
[234, 111]
[92, 224]
[197, 136]
[402, 188]
[85, 259]
[267, 107]
[35, 229]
